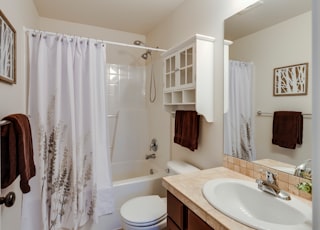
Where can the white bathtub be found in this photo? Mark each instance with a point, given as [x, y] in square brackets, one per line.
[132, 179]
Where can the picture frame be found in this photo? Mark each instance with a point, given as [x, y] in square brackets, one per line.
[290, 80]
[7, 50]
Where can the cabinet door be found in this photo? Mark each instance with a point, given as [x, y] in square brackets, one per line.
[175, 209]
[186, 67]
[170, 72]
[171, 225]
[196, 223]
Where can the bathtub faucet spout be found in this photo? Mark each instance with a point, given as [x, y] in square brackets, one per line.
[152, 156]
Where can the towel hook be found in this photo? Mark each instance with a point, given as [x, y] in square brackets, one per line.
[8, 200]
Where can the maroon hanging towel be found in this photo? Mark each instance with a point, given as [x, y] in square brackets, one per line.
[187, 129]
[287, 129]
[17, 152]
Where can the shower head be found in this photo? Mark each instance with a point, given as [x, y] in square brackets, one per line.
[138, 43]
[145, 55]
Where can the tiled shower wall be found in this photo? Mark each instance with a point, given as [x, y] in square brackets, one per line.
[127, 112]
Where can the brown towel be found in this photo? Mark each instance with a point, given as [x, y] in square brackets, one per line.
[287, 129]
[187, 129]
[17, 152]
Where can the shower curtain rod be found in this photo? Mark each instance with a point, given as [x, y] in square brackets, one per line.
[103, 41]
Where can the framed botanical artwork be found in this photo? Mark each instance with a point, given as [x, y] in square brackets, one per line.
[7, 50]
[290, 80]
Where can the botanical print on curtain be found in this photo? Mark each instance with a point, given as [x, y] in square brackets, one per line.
[68, 118]
[238, 119]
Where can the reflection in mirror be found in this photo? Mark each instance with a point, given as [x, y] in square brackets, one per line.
[269, 35]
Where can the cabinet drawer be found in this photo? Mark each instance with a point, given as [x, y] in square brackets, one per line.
[196, 223]
[175, 210]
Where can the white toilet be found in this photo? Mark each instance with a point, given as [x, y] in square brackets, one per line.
[150, 212]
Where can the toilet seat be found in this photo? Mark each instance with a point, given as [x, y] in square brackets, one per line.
[144, 211]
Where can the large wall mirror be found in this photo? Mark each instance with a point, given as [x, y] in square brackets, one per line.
[267, 35]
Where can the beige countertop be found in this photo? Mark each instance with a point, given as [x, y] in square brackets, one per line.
[273, 164]
[188, 189]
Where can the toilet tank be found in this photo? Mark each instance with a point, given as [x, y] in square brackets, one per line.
[180, 167]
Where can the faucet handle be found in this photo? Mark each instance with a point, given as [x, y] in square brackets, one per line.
[264, 171]
[154, 145]
[271, 178]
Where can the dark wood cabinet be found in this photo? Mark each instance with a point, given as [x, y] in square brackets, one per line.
[171, 225]
[175, 210]
[196, 223]
[182, 218]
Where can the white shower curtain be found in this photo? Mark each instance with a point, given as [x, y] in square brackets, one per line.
[67, 104]
[238, 119]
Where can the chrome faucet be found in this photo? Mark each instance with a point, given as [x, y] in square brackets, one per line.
[270, 186]
[152, 156]
[304, 170]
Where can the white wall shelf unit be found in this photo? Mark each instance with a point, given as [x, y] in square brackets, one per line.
[189, 76]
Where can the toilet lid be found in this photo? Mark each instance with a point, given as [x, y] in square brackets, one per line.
[143, 211]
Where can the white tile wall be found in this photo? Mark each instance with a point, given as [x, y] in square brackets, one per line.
[127, 110]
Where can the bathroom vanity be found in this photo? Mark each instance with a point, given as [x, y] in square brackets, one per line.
[187, 207]
[181, 217]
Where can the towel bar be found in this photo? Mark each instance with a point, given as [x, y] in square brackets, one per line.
[260, 113]
[4, 122]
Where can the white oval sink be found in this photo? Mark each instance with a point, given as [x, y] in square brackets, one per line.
[244, 202]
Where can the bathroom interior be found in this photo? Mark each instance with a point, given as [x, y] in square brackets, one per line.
[142, 126]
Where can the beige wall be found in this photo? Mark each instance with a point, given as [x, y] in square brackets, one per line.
[13, 97]
[115, 54]
[70, 28]
[284, 44]
[202, 17]
[20, 14]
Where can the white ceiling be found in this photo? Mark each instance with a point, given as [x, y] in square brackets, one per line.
[141, 16]
[135, 16]
[262, 16]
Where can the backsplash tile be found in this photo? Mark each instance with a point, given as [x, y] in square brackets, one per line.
[285, 181]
